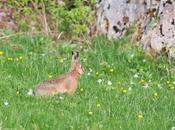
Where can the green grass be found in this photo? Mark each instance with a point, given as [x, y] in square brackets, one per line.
[124, 105]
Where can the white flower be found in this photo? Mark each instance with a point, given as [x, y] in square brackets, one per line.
[6, 103]
[109, 83]
[30, 92]
[132, 55]
[131, 82]
[89, 73]
[173, 128]
[43, 54]
[136, 76]
[174, 82]
[99, 81]
[144, 60]
[129, 89]
[90, 70]
[159, 86]
[61, 98]
[146, 86]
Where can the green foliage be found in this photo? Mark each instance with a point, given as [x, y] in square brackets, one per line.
[72, 16]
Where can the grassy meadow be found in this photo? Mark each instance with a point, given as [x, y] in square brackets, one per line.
[121, 89]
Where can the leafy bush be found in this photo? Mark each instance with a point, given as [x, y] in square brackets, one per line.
[72, 16]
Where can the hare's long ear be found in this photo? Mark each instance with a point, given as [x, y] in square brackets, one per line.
[75, 57]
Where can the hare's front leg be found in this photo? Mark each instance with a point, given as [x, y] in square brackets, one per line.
[72, 87]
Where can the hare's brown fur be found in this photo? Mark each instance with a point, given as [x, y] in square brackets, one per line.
[63, 83]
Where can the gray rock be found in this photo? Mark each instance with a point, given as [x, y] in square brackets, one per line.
[156, 18]
[161, 38]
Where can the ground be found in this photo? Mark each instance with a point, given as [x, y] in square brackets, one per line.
[121, 89]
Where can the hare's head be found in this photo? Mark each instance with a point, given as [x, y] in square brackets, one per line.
[76, 63]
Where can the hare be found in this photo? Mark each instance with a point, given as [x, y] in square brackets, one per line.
[63, 83]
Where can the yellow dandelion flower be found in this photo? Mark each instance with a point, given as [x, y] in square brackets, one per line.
[97, 73]
[172, 87]
[81, 89]
[124, 91]
[9, 59]
[1, 52]
[17, 92]
[98, 105]
[155, 94]
[20, 57]
[90, 113]
[168, 82]
[121, 88]
[142, 81]
[140, 116]
[61, 60]
[50, 76]
[111, 70]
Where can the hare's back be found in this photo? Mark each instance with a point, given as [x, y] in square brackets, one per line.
[49, 87]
